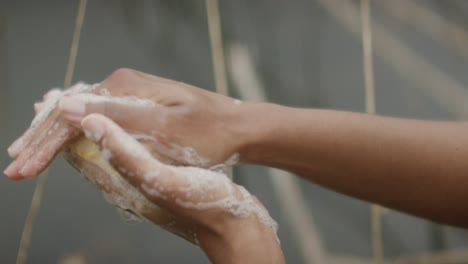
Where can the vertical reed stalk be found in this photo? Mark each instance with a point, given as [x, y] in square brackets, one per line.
[42, 179]
[376, 210]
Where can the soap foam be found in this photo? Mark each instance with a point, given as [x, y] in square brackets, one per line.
[181, 154]
[125, 100]
[104, 91]
[201, 189]
[49, 105]
[206, 189]
[185, 155]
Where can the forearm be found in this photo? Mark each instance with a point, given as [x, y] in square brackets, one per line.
[415, 166]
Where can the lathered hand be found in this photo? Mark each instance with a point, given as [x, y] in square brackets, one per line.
[200, 205]
[182, 124]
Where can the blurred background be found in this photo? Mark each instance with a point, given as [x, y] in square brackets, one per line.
[302, 53]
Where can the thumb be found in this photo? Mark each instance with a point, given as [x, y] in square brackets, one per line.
[127, 111]
[127, 156]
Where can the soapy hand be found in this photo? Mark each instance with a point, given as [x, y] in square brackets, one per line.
[179, 123]
[159, 135]
[219, 215]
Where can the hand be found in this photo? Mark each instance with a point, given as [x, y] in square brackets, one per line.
[185, 126]
[230, 225]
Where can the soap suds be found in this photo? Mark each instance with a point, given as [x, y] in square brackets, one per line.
[125, 100]
[104, 91]
[106, 154]
[205, 189]
[49, 105]
[202, 189]
[153, 191]
[231, 161]
[198, 188]
[181, 154]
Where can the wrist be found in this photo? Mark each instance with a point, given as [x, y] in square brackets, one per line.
[241, 240]
[259, 128]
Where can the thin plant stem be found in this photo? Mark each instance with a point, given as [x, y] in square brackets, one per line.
[217, 51]
[286, 186]
[368, 69]
[42, 179]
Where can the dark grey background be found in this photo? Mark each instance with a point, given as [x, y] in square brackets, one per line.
[305, 58]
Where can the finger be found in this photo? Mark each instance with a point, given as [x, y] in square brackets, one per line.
[38, 107]
[45, 152]
[49, 105]
[128, 112]
[36, 125]
[46, 109]
[117, 190]
[37, 147]
[40, 152]
[51, 94]
[177, 187]
[129, 157]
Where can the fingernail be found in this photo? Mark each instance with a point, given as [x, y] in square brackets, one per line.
[94, 129]
[13, 150]
[38, 107]
[9, 171]
[72, 107]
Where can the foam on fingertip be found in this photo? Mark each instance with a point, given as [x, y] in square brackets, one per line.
[93, 128]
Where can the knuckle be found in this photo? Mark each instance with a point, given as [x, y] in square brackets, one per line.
[122, 74]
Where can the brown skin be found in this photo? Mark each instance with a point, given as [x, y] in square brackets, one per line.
[181, 106]
[225, 238]
[418, 167]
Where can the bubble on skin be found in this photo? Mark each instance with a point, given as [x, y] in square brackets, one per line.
[153, 191]
[222, 193]
[126, 100]
[197, 183]
[45, 153]
[51, 103]
[106, 154]
[114, 187]
[116, 190]
[53, 99]
[186, 155]
[181, 154]
[96, 136]
[151, 176]
[237, 102]
[48, 106]
[230, 202]
[79, 91]
[104, 91]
